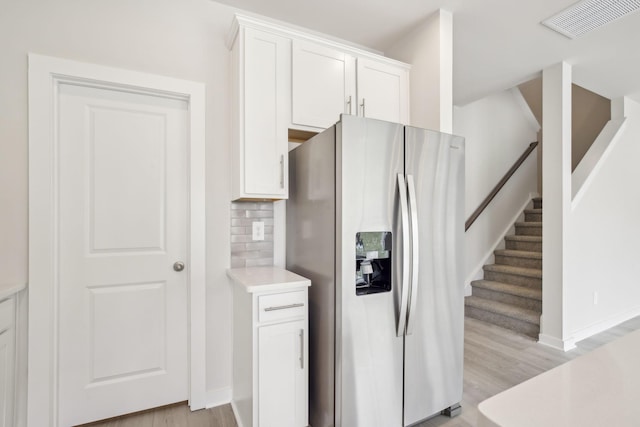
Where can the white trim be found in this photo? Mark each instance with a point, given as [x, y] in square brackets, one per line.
[556, 343]
[217, 397]
[293, 32]
[601, 326]
[45, 73]
[21, 331]
[593, 160]
[236, 414]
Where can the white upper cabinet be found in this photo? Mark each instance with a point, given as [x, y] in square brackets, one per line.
[262, 63]
[383, 91]
[323, 85]
[285, 78]
[326, 82]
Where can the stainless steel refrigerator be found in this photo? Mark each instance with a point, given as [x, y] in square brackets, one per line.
[375, 220]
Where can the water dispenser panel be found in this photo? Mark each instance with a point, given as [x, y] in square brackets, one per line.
[373, 262]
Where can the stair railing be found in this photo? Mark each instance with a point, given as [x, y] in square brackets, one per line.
[499, 185]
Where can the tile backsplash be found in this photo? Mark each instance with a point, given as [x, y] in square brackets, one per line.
[246, 252]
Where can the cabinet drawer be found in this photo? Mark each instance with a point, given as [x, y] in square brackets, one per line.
[282, 306]
[6, 314]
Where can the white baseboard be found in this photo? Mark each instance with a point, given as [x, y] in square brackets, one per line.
[235, 414]
[217, 397]
[477, 273]
[603, 325]
[556, 343]
[589, 331]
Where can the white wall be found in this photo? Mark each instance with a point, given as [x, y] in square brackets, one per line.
[602, 251]
[177, 38]
[429, 50]
[497, 132]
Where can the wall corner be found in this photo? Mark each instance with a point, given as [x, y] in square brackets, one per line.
[618, 108]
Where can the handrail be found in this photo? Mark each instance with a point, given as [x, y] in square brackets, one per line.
[499, 185]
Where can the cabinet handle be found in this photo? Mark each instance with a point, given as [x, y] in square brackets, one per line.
[284, 307]
[281, 170]
[301, 348]
[349, 104]
[362, 105]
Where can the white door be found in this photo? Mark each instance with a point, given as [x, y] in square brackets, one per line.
[122, 226]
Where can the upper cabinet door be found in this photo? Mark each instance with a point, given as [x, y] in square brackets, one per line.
[264, 112]
[383, 91]
[323, 85]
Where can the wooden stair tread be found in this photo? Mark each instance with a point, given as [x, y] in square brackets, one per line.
[507, 310]
[506, 288]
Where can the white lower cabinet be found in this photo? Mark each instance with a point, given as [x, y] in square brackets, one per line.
[270, 347]
[282, 374]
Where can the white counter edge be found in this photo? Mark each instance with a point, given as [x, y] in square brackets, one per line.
[266, 279]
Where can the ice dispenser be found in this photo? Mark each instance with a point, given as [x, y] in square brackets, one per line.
[373, 262]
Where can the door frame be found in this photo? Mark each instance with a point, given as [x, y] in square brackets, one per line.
[45, 76]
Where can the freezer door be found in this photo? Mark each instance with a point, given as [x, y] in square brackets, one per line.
[434, 349]
[369, 354]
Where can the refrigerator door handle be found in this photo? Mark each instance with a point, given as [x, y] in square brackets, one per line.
[415, 264]
[406, 248]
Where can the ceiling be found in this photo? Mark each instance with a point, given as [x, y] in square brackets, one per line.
[497, 43]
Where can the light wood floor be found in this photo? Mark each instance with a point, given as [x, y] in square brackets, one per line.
[177, 415]
[495, 359]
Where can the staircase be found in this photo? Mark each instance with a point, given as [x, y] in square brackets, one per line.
[510, 295]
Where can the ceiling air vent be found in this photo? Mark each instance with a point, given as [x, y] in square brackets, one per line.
[588, 15]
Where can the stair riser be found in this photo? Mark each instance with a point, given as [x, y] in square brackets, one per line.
[524, 246]
[517, 325]
[528, 231]
[513, 279]
[533, 217]
[528, 303]
[519, 262]
[537, 204]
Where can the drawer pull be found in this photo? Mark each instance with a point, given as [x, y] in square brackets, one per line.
[284, 307]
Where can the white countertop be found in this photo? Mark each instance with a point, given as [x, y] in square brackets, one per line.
[600, 388]
[262, 279]
[6, 290]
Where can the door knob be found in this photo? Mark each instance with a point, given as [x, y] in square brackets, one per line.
[178, 266]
